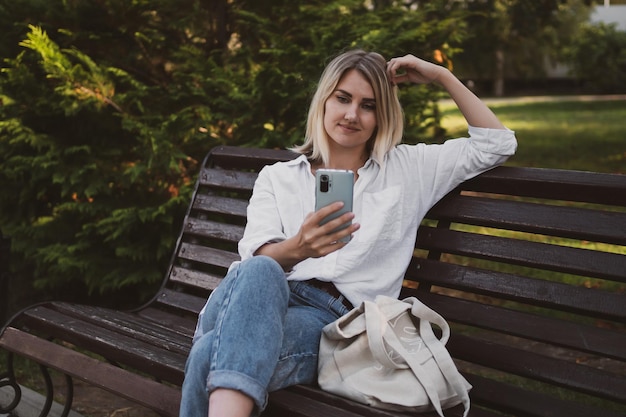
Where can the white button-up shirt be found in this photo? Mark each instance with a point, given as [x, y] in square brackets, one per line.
[391, 198]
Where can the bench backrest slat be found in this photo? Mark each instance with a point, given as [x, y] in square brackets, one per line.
[214, 230]
[537, 366]
[552, 184]
[212, 203]
[556, 295]
[239, 158]
[181, 302]
[525, 253]
[232, 180]
[194, 278]
[545, 219]
[207, 256]
[563, 333]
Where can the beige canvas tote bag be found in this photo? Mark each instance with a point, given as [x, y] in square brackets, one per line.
[385, 354]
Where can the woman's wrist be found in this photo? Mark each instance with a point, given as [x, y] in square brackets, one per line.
[446, 78]
[441, 74]
[282, 252]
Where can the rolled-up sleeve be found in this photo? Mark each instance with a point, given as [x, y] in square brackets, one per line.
[494, 141]
[443, 167]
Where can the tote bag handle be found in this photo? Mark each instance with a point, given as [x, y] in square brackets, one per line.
[380, 332]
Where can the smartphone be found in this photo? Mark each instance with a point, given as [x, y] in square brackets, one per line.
[332, 185]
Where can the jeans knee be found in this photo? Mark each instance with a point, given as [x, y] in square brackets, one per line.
[265, 264]
[265, 272]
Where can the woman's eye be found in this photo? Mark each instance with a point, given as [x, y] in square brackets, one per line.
[369, 106]
[343, 99]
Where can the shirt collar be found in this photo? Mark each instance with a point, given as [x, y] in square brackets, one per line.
[302, 159]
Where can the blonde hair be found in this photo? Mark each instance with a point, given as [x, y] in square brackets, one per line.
[389, 116]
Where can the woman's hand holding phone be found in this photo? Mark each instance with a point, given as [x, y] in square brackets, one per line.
[324, 231]
[313, 240]
[321, 238]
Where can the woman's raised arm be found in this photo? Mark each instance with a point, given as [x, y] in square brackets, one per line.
[415, 70]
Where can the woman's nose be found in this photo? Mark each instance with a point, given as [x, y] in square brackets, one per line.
[350, 113]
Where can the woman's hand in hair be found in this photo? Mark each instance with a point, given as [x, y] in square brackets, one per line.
[411, 69]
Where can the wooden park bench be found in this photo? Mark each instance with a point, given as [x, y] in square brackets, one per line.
[528, 266]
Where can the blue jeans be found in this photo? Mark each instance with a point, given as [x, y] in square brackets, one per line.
[260, 333]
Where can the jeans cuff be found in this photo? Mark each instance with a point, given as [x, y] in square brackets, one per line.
[240, 382]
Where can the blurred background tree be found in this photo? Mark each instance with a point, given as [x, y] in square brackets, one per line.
[108, 106]
[516, 39]
[597, 55]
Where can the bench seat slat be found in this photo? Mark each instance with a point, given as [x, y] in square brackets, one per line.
[123, 326]
[288, 403]
[587, 301]
[567, 222]
[116, 347]
[157, 396]
[307, 391]
[183, 325]
[556, 258]
[130, 325]
[562, 333]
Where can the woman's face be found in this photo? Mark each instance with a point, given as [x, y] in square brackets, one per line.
[350, 113]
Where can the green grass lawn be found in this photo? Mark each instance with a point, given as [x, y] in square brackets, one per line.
[580, 135]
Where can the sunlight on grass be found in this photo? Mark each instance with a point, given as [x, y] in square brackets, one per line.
[586, 135]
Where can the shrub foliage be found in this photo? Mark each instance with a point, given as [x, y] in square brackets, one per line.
[107, 107]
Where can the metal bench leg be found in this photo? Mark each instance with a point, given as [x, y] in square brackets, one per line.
[49, 391]
[69, 396]
[8, 379]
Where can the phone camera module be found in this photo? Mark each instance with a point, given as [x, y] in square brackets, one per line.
[324, 183]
